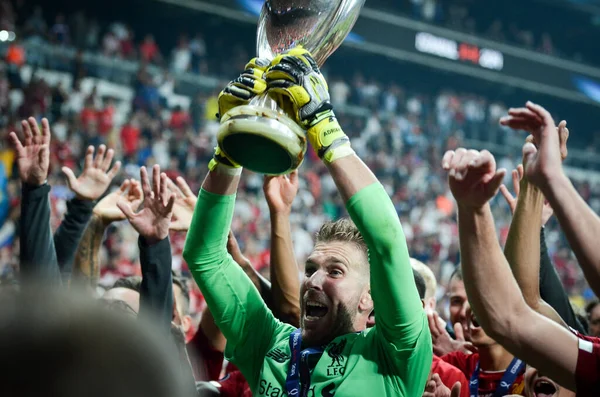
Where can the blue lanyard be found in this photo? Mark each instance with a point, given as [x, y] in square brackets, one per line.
[295, 384]
[509, 377]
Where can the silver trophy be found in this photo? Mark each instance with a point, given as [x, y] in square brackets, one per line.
[261, 136]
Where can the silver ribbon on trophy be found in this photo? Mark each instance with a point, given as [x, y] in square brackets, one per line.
[261, 136]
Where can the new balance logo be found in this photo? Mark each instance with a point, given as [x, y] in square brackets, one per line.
[278, 355]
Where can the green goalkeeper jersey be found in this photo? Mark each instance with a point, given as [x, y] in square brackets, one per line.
[391, 359]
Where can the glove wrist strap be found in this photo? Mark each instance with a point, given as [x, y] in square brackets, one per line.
[328, 139]
[221, 168]
[221, 164]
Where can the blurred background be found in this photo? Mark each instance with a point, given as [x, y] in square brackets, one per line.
[415, 78]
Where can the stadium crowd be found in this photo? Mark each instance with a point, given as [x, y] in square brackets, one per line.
[403, 145]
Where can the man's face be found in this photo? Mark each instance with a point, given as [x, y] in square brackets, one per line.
[458, 304]
[595, 321]
[334, 295]
[537, 385]
[476, 334]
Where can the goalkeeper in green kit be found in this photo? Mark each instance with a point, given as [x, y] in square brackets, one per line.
[354, 267]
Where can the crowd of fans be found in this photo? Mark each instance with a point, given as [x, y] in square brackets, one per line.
[402, 143]
[95, 170]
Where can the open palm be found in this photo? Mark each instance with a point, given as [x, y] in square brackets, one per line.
[544, 153]
[130, 191]
[185, 202]
[33, 157]
[154, 220]
[96, 177]
[280, 191]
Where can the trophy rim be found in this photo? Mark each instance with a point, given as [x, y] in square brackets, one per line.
[264, 123]
[346, 12]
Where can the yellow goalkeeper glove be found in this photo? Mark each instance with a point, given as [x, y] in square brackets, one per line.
[295, 75]
[241, 90]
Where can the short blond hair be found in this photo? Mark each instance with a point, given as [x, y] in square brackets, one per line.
[428, 276]
[341, 230]
[344, 230]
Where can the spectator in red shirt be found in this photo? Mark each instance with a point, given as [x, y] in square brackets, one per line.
[149, 51]
[127, 44]
[89, 115]
[130, 137]
[105, 117]
[180, 119]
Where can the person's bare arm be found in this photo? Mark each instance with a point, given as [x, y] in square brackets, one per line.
[580, 225]
[499, 306]
[285, 281]
[86, 267]
[544, 169]
[530, 215]
[521, 250]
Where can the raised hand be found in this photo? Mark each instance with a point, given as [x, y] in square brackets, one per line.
[96, 177]
[542, 157]
[442, 342]
[33, 156]
[107, 210]
[435, 388]
[511, 200]
[280, 192]
[517, 176]
[473, 177]
[185, 202]
[154, 220]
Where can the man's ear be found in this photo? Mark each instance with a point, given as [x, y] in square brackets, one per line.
[431, 303]
[366, 302]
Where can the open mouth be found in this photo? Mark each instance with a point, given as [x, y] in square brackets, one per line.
[315, 310]
[544, 387]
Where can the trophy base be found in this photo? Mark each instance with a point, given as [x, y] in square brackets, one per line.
[262, 140]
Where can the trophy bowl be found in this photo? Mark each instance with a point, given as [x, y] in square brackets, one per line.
[263, 136]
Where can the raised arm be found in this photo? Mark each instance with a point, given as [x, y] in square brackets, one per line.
[526, 264]
[521, 250]
[183, 213]
[86, 267]
[233, 300]
[88, 187]
[579, 223]
[401, 320]
[152, 223]
[280, 192]
[501, 310]
[37, 255]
